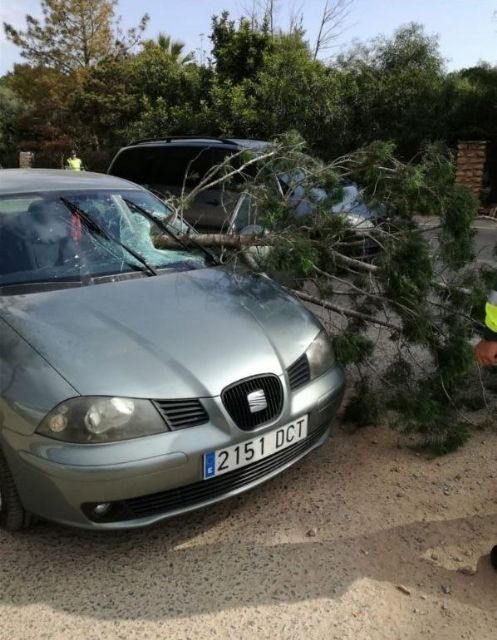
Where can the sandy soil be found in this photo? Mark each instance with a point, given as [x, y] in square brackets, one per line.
[362, 540]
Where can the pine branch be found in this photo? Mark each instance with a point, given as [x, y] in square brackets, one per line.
[350, 313]
[216, 240]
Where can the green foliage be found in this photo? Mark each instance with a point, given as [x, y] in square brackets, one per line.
[399, 372]
[454, 357]
[479, 284]
[45, 125]
[420, 186]
[474, 401]
[238, 51]
[408, 271]
[472, 112]
[289, 88]
[364, 408]
[11, 108]
[174, 49]
[400, 83]
[74, 34]
[456, 243]
[407, 267]
[295, 255]
[434, 320]
[446, 436]
[352, 347]
[440, 427]
[166, 92]
[258, 84]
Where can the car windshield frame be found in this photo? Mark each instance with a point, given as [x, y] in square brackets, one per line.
[81, 267]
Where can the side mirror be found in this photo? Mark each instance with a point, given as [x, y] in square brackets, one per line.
[252, 230]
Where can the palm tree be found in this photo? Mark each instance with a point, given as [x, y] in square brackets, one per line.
[173, 48]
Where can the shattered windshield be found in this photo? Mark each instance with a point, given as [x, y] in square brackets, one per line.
[42, 239]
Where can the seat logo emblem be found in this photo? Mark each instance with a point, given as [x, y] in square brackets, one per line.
[257, 401]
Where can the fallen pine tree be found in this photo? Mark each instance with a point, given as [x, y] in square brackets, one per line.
[421, 288]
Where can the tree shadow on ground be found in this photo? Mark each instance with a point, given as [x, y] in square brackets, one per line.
[165, 572]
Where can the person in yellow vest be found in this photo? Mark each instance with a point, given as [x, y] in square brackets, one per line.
[74, 163]
[486, 355]
[486, 349]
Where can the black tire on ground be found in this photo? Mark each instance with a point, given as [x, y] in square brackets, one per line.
[12, 514]
[493, 557]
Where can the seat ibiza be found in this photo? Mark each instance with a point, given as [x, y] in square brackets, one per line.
[139, 383]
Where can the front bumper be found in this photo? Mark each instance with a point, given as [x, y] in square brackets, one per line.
[149, 479]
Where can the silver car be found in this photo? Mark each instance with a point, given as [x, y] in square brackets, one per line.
[138, 383]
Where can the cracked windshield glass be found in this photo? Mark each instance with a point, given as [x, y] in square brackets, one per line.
[78, 236]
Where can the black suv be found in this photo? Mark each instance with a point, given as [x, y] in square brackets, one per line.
[167, 165]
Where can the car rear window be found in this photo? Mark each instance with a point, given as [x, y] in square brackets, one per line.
[166, 165]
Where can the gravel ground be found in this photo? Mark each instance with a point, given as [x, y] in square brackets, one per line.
[362, 540]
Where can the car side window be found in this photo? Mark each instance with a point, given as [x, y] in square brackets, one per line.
[244, 214]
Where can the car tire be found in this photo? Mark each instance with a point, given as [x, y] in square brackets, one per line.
[493, 557]
[13, 516]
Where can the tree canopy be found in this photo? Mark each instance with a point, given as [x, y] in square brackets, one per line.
[258, 82]
[73, 34]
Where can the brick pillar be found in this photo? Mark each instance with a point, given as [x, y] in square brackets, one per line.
[26, 159]
[470, 166]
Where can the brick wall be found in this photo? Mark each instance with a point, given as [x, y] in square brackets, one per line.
[25, 159]
[470, 166]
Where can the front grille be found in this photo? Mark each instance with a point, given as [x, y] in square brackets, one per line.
[299, 372]
[192, 494]
[237, 404]
[182, 413]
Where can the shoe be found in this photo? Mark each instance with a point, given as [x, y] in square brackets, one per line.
[493, 557]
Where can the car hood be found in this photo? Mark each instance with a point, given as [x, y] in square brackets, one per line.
[176, 335]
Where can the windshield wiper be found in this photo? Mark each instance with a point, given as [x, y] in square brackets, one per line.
[165, 227]
[41, 284]
[94, 226]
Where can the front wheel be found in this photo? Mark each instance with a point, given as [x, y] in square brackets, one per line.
[13, 516]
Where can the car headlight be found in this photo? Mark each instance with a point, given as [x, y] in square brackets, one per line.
[94, 419]
[359, 222]
[320, 355]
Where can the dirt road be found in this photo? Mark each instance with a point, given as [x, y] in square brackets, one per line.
[361, 540]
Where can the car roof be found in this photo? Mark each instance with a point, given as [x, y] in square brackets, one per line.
[14, 181]
[199, 141]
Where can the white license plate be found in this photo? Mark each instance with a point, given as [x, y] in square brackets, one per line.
[240, 455]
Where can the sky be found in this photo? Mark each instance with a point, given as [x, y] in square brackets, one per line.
[467, 28]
